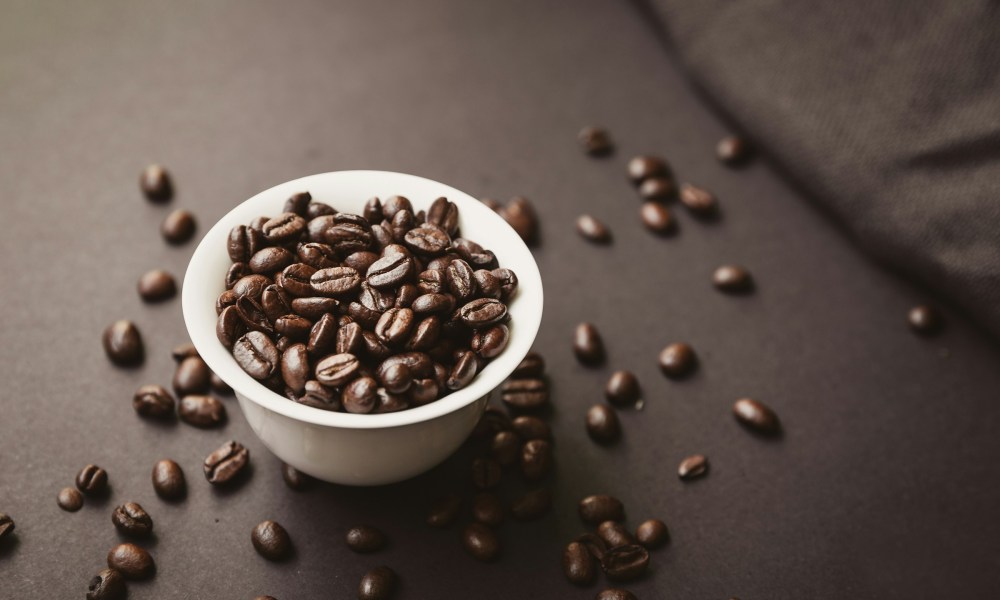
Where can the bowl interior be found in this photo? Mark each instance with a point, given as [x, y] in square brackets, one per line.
[347, 191]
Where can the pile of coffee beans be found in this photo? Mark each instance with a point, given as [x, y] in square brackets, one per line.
[368, 313]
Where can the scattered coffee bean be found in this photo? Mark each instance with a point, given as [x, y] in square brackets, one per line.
[532, 504]
[700, 202]
[6, 525]
[602, 424]
[70, 499]
[444, 511]
[365, 538]
[615, 594]
[677, 360]
[732, 279]
[693, 467]
[925, 319]
[481, 542]
[377, 584]
[652, 533]
[226, 463]
[271, 540]
[202, 411]
[756, 416]
[622, 388]
[536, 459]
[594, 544]
[656, 217]
[92, 480]
[525, 394]
[595, 141]
[295, 479]
[642, 168]
[529, 427]
[614, 534]
[599, 508]
[178, 227]
[657, 188]
[505, 448]
[183, 351]
[732, 150]
[168, 480]
[593, 230]
[131, 561]
[192, 377]
[578, 564]
[625, 563]
[153, 401]
[521, 216]
[588, 345]
[487, 508]
[156, 285]
[131, 519]
[219, 386]
[155, 183]
[486, 473]
[123, 343]
[106, 585]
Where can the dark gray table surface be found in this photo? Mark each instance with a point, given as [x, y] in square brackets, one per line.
[884, 486]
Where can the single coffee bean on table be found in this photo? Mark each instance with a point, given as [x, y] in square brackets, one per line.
[521, 216]
[202, 411]
[693, 467]
[295, 479]
[657, 189]
[700, 202]
[622, 388]
[593, 230]
[588, 345]
[178, 227]
[600, 507]
[365, 538]
[156, 285]
[168, 479]
[615, 594]
[656, 217]
[595, 141]
[486, 473]
[444, 511]
[226, 463]
[925, 319]
[123, 343]
[481, 542]
[733, 279]
[505, 448]
[677, 360]
[192, 376]
[487, 508]
[131, 561]
[92, 480]
[625, 563]
[378, 584]
[529, 427]
[531, 505]
[652, 533]
[109, 584]
[733, 150]
[153, 401]
[532, 365]
[70, 499]
[536, 459]
[603, 425]
[131, 519]
[6, 525]
[757, 416]
[271, 541]
[530, 394]
[578, 564]
[641, 168]
[154, 181]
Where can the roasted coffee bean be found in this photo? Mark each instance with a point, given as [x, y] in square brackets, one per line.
[925, 319]
[375, 299]
[433, 303]
[271, 541]
[349, 339]
[253, 316]
[464, 370]
[657, 188]
[374, 346]
[318, 209]
[693, 467]
[323, 336]
[168, 480]
[298, 203]
[156, 285]
[614, 534]
[756, 416]
[314, 308]
[394, 204]
[275, 303]
[426, 334]
[155, 183]
[348, 236]
[625, 563]
[733, 150]
[420, 364]
[317, 227]
[178, 227]
[319, 396]
[251, 286]
[360, 395]
[257, 355]
[335, 281]
[461, 279]
[444, 511]
[296, 279]
[487, 508]
[483, 312]
[270, 260]
[92, 480]
[372, 212]
[601, 507]
[396, 378]
[532, 504]
[192, 376]
[219, 386]
[520, 215]
[508, 282]
[378, 584]
[525, 394]
[656, 217]
[700, 202]
[474, 254]
[593, 230]
[595, 141]
[578, 564]
[427, 240]
[230, 326]
[293, 327]
[6, 526]
[588, 345]
[532, 365]
[131, 519]
[531, 428]
[381, 238]
[732, 279]
[226, 463]
[337, 369]
[183, 351]
[481, 542]
[226, 299]
[295, 479]
[489, 343]
[202, 411]
[131, 561]
[123, 343]
[394, 326]
[487, 285]
[284, 228]
[365, 538]
[106, 585]
[677, 360]
[622, 388]
[432, 281]
[602, 424]
[361, 261]
[70, 499]
[390, 271]
[493, 421]
[423, 391]
[652, 533]
[594, 544]
[505, 447]
[153, 401]
[401, 223]
[486, 473]
[536, 459]
[444, 214]
[236, 272]
[441, 263]
[642, 168]
[317, 256]
[615, 594]
[238, 244]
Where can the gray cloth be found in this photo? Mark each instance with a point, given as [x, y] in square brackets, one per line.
[886, 112]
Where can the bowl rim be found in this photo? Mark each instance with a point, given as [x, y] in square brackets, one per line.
[516, 256]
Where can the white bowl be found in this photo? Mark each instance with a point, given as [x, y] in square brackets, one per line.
[350, 448]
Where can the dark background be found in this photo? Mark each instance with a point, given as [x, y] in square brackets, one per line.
[885, 484]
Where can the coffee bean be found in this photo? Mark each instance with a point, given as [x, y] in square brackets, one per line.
[131, 519]
[508, 283]
[482, 312]
[394, 204]
[424, 391]
[251, 286]
[521, 216]
[323, 336]
[615, 594]
[202, 411]
[594, 544]
[525, 394]
[652, 533]
[348, 234]
[389, 271]
[236, 272]
[318, 209]
[271, 541]
[700, 202]
[284, 228]
[378, 584]
[531, 428]
[733, 150]
[106, 585]
[335, 281]
[532, 365]
[536, 459]
[313, 308]
[595, 141]
[257, 355]
[578, 564]
[486, 473]
[123, 343]
[622, 388]
[131, 561]
[295, 367]
[532, 504]
[757, 417]
[168, 480]
[431, 282]
[461, 279]
[593, 230]
[178, 227]
[444, 214]
[253, 316]
[614, 534]
[463, 371]
[319, 396]
[153, 401]
[625, 563]
[505, 448]
[7, 525]
[92, 480]
[656, 217]
[693, 467]
[732, 279]
[642, 168]
[602, 424]
[230, 326]
[155, 183]
[70, 499]
[192, 376]
[481, 542]
[337, 369]
[444, 511]
[156, 285]
[677, 360]
[365, 538]
[657, 188]
[238, 244]
[361, 261]
[433, 303]
[489, 343]
[183, 351]
[226, 299]
[295, 479]
[487, 508]
[588, 345]
[361, 395]
[394, 326]
[599, 508]
[318, 256]
[226, 463]
[925, 319]
[427, 240]
[298, 203]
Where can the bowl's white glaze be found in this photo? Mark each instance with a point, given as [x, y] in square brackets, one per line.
[349, 448]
